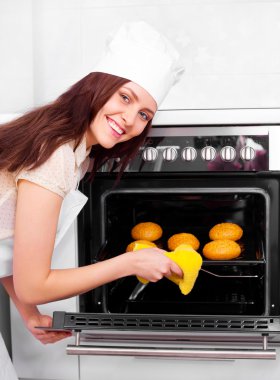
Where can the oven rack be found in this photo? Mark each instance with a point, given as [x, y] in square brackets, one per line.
[233, 262]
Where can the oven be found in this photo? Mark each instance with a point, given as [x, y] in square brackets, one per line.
[187, 177]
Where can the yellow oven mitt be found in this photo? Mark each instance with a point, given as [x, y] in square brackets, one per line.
[188, 260]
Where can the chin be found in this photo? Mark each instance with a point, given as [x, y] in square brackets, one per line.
[110, 144]
[107, 145]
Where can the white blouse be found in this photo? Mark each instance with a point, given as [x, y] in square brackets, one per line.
[60, 174]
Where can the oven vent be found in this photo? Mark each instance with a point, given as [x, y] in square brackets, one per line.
[82, 321]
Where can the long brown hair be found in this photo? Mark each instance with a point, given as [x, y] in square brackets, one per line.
[29, 141]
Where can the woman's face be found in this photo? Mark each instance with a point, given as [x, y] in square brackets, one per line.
[123, 117]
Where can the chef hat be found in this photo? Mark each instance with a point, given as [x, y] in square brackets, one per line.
[141, 54]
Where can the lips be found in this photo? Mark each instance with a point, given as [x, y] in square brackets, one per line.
[115, 127]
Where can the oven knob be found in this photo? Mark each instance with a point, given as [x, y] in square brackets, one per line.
[247, 153]
[170, 154]
[150, 154]
[208, 153]
[228, 153]
[189, 154]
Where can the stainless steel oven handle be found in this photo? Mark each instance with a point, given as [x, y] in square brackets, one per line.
[174, 353]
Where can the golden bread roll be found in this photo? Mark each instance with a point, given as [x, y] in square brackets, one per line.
[182, 238]
[132, 245]
[221, 250]
[230, 231]
[146, 231]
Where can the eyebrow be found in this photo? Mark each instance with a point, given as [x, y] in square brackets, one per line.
[136, 98]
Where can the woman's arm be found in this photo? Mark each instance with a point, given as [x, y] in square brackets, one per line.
[32, 317]
[35, 229]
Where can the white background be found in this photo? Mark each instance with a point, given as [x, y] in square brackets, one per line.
[230, 48]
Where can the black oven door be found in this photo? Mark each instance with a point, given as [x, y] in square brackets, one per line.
[238, 297]
[246, 286]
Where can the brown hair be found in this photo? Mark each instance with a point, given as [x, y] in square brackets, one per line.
[29, 141]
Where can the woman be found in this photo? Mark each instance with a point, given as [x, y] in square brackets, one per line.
[44, 153]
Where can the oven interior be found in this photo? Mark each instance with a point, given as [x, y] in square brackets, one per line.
[242, 286]
[193, 213]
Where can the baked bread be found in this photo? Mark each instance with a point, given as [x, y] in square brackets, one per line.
[132, 245]
[221, 250]
[183, 238]
[230, 231]
[146, 231]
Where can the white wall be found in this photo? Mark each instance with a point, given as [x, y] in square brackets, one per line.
[16, 55]
[230, 48]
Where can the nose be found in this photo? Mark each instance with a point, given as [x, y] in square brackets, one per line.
[129, 117]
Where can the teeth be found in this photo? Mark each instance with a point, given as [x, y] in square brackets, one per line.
[115, 127]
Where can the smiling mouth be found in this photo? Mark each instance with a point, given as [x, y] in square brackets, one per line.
[115, 126]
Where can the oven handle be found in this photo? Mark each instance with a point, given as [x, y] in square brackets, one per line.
[174, 353]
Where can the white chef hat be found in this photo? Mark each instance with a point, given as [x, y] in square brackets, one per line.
[141, 54]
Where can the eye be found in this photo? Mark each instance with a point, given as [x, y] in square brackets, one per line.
[144, 116]
[125, 98]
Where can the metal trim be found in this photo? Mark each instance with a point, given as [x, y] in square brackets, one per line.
[229, 130]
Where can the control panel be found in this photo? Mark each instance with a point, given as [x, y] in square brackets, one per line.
[189, 153]
[202, 153]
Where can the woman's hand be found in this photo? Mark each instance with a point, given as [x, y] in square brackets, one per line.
[32, 317]
[153, 265]
[44, 336]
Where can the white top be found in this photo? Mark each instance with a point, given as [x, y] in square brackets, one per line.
[60, 174]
